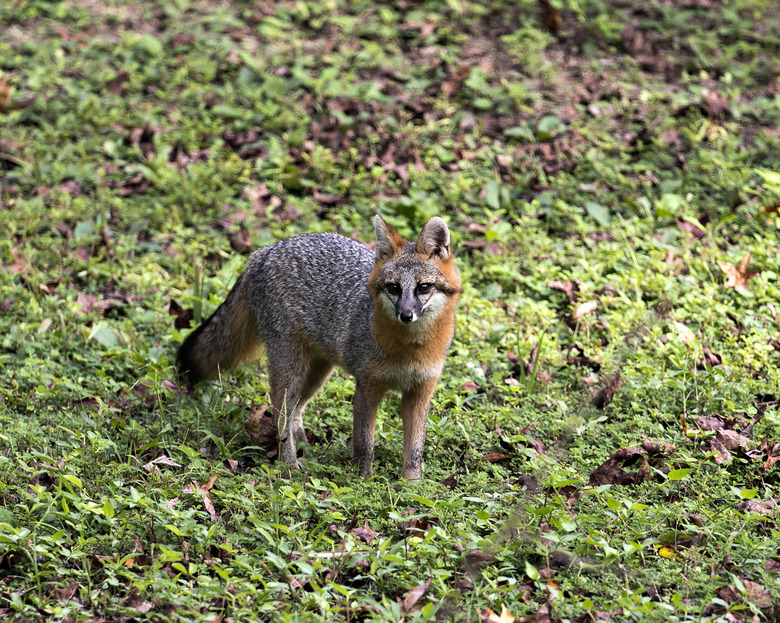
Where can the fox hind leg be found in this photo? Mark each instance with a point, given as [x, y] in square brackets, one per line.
[294, 379]
[317, 373]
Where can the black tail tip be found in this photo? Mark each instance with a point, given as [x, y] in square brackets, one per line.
[186, 361]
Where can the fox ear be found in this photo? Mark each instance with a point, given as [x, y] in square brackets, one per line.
[434, 239]
[388, 242]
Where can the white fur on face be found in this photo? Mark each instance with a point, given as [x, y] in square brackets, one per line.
[434, 305]
[387, 305]
[431, 310]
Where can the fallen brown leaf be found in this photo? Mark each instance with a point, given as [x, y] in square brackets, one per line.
[732, 440]
[488, 616]
[709, 423]
[495, 457]
[65, 593]
[772, 311]
[494, 248]
[453, 480]
[183, 316]
[141, 560]
[74, 189]
[134, 185]
[569, 288]
[772, 455]
[207, 486]
[709, 359]
[529, 365]
[684, 333]
[9, 560]
[6, 102]
[580, 359]
[18, 265]
[722, 455]
[413, 596]
[240, 241]
[657, 448]
[87, 302]
[455, 81]
[551, 17]
[262, 430]
[611, 471]
[715, 105]
[635, 42]
[695, 231]
[116, 84]
[728, 593]
[755, 593]
[738, 275]
[151, 466]
[529, 483]
[203, 489]
[477, 558]
[765, 508]
[365, 533]
[417, 527]
[475, 245]
[583, 310]
[606, 394]
[464, 584]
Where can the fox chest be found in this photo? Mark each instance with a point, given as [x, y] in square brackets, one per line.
[402, 376]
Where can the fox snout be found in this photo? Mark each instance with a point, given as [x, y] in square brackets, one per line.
[409, 305]
[407, 309]
[407, 316]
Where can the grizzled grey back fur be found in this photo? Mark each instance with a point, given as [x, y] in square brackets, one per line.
[307, 293]
[310, 293]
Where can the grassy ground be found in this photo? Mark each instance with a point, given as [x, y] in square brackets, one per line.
[603, 442]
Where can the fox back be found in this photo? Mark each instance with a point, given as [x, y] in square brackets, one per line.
[311, 289]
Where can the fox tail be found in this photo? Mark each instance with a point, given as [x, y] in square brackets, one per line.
[222, 341]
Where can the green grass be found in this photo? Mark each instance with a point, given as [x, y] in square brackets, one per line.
[628, 152]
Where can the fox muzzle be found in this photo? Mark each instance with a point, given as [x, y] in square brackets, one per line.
[408, 309]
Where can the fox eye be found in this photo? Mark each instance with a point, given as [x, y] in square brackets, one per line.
[393, 288]
[424, 288]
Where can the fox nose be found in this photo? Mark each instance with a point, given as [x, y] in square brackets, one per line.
[406, 317]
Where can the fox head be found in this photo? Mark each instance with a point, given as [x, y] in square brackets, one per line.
[414, 281]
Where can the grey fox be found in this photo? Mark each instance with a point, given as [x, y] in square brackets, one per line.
[317, 301]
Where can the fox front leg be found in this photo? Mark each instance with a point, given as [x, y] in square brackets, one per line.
[366, 403]
[414, 412]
